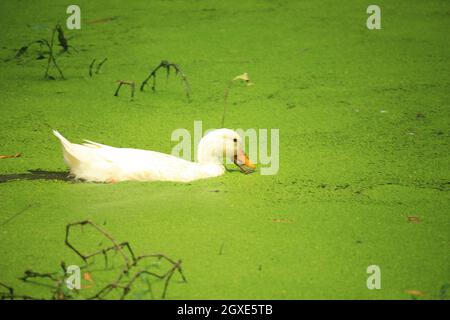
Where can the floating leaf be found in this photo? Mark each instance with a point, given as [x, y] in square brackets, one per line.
[243, 76]
[413, 219]
[415, 293]
[10, 156]
[281, 220]
[102, 20]
[87, 277]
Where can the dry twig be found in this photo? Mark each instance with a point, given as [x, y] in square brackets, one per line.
[7, 156]
[243, 77]
[129, 83]
[44, 43]
[167, 65]
[124, 281]
[97, 69]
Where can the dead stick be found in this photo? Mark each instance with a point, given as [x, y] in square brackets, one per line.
[10, 156]
[130, 83]
[100, 65]
[90, 67]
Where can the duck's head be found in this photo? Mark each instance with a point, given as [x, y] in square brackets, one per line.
[221, 145]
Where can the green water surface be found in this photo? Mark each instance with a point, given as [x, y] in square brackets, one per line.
[364, 143]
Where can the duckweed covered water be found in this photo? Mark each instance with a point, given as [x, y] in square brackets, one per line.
[364, 139]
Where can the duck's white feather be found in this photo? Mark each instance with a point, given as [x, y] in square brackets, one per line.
[93, 161]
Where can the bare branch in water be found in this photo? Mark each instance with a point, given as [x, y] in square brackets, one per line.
[50, 53]
[7, 156]
[90, 67]
[51, 56]
[167, 65]
[100, 65]
[129, 83]
[243, 77]
[131, 270]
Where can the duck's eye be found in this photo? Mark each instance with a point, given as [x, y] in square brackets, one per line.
[235, 140]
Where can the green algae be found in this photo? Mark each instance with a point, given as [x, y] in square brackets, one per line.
[364, 139]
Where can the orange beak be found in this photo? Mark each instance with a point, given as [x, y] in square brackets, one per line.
[248, 163]
[243, 162]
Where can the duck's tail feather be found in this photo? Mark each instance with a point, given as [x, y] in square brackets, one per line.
[64, 141]
[69, 155]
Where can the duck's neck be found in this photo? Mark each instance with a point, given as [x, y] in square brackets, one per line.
[209, 167]
[209, 156]
[212, 165]
[206, 159]
[208, 153]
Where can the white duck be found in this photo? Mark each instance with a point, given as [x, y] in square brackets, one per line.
[93, 161]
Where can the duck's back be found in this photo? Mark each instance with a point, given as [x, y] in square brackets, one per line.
[97, 162]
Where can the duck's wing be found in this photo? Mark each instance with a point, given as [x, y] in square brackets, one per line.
[129, 158]
[91, 149]
[96, 159]
[76, 154]
[92, 144]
